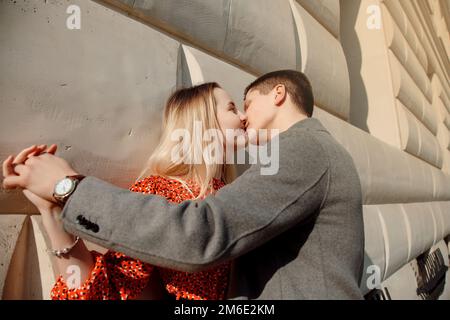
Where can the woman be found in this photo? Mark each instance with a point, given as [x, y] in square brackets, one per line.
[189, 163]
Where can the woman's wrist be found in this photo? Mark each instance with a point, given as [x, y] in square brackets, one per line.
[51, 219]
[61, 240]
[51, 215]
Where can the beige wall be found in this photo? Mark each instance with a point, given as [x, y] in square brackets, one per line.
[98, 92]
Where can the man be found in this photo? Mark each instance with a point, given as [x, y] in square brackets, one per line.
[297, 234]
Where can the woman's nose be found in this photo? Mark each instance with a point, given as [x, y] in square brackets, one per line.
[243, 117]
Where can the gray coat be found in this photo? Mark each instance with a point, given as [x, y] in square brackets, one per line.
[297, 234]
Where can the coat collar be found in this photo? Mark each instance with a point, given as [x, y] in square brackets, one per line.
[313, 124]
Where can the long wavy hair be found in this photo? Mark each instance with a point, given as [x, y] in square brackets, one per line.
[183, 109]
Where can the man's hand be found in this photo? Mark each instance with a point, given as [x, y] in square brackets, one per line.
[38, 174]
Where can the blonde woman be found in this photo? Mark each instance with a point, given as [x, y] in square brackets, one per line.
[189, 163]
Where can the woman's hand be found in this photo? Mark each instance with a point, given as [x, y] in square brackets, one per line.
[50, 213]
[43, 205]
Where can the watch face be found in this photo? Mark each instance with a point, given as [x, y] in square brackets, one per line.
[64, 186]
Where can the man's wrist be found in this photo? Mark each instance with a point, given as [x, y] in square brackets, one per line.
[60, 195]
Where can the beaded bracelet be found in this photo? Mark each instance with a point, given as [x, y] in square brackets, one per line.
[60, 253]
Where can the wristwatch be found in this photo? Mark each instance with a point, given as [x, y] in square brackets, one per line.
[65, 187]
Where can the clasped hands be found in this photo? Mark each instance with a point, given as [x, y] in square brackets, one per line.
[36, 170]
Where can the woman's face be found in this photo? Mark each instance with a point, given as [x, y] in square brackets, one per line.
[232, 122]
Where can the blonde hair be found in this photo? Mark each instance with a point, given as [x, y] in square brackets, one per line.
[183, 108]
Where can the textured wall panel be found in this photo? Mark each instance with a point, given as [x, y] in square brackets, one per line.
[442, 224]
[443, 129]
[327, 12]
[89, 92]
[410, 95]
[440, 184]
[202, 21]
[409, 130]
[419, 15]
[402, 285]
[261, 35]
[396, 237]
[10, 229]
[399, 45]
[414, 20]
[387, 174]
[396, 234]
[445, 99]
[439, 93]
[13, 201]
[326, 69]
[445, 213]
[201, 67]
[46, 275]
[447, 121]
[372, 101]
[408, 230]
[417, 139]
[247, 32]
[423, 227]
[30, 275]
[402, 20]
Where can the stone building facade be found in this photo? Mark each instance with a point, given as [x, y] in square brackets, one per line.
[93, 77]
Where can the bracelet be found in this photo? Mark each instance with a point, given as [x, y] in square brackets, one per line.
[60, 253]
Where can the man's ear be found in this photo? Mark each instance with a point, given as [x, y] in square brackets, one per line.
[280, 94]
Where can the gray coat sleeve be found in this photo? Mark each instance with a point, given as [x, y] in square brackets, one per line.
[196, 235]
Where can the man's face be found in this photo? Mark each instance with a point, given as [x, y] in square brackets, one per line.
[259, 109]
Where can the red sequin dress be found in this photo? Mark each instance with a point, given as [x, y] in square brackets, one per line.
[116, 276]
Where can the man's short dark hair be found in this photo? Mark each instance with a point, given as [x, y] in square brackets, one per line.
[297, 86]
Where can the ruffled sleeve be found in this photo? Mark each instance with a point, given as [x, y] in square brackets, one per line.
[114, 277]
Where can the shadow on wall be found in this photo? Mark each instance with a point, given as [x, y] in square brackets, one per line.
[23, 279]
[352, 50]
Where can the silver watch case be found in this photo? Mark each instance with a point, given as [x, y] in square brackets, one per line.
[64, 188]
